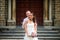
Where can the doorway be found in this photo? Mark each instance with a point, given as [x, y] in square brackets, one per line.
[36, 6]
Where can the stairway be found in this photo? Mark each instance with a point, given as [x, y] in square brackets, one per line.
[18, 34]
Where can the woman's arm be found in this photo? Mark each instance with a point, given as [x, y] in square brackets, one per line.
[35, 27]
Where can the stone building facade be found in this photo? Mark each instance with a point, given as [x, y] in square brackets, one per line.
[2, 12]
[4, 19]
[55, 14]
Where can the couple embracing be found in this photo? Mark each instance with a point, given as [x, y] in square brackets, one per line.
[30, 26]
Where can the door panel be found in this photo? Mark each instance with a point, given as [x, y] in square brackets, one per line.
[36, 6]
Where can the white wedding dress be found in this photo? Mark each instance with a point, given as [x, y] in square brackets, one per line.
[30, 28]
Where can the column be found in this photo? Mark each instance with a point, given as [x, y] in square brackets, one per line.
[9, 10]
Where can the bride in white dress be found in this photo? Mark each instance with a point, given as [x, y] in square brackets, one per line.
[30, 28]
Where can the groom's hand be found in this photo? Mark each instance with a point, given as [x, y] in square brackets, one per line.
[26, 22]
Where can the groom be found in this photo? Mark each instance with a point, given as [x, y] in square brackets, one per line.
[26, 19]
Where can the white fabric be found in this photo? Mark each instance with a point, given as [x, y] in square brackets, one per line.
[30, 28]
[24, 20]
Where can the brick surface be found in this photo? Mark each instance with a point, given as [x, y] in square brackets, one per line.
[2, 13]
[57, 13]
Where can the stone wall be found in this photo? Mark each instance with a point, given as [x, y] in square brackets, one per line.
[50, 22]
[2, 13]
[57, 13]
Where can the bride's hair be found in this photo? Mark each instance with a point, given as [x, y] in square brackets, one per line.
[34, 19]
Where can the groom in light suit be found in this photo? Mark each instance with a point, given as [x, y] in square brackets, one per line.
[26, 19]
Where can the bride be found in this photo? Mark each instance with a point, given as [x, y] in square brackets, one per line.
[30, 28]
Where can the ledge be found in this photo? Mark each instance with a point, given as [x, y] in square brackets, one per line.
[47, 20]
[9, 27]
[11, 20]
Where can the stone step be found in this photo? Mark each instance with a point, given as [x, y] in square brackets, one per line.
[39, 28]
[18, 34]
[23, 39]
[11, 39]
[24, 31]
[37, 32]
[38, 35]
[18, 37]
[43, 28]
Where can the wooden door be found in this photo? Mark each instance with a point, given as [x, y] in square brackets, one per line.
[36, 6]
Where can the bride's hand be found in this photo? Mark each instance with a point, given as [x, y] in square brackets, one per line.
[33, 34]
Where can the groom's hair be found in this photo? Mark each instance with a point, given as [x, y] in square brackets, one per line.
[28, 11]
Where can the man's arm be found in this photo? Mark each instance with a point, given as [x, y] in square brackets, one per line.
[25, 28]
[26, 19]
[23, 23]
